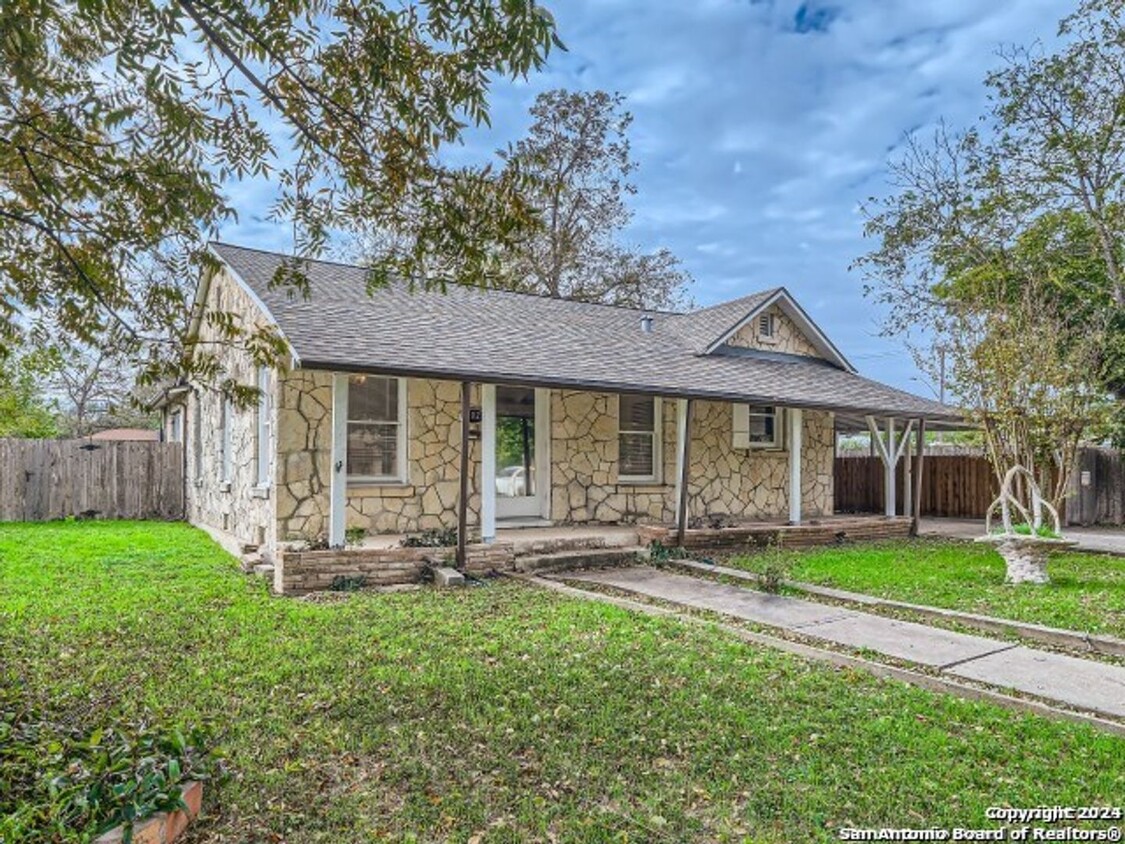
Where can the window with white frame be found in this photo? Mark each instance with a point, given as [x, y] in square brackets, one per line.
[765, 426]
[225, 456]
[757, 426]
[638, 438]
[265, 424]
[376, 429]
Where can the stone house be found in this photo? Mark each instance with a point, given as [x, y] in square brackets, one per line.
[577, 413]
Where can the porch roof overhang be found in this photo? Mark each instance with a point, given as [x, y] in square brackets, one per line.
[468, 334]
[849, 417]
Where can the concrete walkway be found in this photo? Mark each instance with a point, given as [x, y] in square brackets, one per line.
[1103, 540]
[1084, 684]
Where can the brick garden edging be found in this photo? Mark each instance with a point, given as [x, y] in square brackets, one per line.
[810, 534]
[162, 828]
[297, 572]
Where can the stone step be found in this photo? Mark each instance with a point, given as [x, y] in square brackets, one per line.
[264, 569]
[578, 559]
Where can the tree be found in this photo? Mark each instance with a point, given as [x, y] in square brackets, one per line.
[95, 387]
[24, 410]
[575, 163]
[124, 122]
[1020, 223]
[1023, 375]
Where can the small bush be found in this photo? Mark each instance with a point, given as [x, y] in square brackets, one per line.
[59, 783]
[354, 536]
[659, 553]
[344, 583]
[434, 538]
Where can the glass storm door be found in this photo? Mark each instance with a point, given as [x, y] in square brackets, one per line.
[517, 478]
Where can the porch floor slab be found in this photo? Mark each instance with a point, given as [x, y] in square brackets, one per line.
[1085, 684]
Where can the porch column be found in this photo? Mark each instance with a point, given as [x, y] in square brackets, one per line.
[796, 426]
[907, 475]
[685, 409]
[488, 462]
[919, 463]
[463, 496]
[890, 452]
[338, 477]
[890, 466]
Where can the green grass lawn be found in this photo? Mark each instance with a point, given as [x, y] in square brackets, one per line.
[499, 714]
[1086, 593]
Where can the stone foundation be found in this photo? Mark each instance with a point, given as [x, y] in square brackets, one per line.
[731, 540]
[297, 572]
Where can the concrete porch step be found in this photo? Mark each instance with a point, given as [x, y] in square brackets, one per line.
[582, 558]
[264, 569]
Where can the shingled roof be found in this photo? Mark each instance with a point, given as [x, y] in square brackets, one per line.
[502, 337]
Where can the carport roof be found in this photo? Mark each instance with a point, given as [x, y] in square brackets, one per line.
[467, 333]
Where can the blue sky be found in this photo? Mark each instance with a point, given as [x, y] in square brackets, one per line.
[760, 125]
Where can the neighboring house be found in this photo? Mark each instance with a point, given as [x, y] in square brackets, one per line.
[577, 410]
[130, 435]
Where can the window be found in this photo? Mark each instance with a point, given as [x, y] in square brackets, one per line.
[196, 439]
[264, 426]
[225, 456]
[765, 326]
[638, 438]
[176, 427]
[763, 426]
[376, 428]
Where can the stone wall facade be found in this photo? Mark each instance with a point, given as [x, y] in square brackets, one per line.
[754, 483]
[585, 483]
[427, 501]
[787, 337]
[242, 508]
[585, 486]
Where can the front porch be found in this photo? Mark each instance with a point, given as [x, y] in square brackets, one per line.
[383, 560]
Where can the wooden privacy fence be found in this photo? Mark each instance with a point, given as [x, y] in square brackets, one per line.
[963, 486]
[956, 486]
[1097, 489]
[53, 479]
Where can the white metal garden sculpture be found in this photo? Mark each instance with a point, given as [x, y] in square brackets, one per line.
[1025, 553]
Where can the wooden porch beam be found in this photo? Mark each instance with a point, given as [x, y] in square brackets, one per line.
[338, 477]
[463, 496]
[685, 469]
[919, 462]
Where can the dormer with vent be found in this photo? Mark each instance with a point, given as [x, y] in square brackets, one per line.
[776, 327]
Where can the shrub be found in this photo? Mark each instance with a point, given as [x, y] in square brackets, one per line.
[60, 783]
[433, 538]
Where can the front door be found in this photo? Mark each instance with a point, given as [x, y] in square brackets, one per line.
[521, 479]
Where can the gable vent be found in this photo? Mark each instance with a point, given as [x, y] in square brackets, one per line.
[765, 325]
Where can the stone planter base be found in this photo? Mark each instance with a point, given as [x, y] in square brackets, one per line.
[1026, 556]
[163, 828]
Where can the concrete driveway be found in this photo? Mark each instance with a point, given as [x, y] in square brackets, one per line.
[1104, 540]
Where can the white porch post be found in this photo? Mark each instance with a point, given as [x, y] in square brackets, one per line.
[338, 489]
[889, 466]
[796, 426]
[907, 475]
[488, 462]
[681, 446]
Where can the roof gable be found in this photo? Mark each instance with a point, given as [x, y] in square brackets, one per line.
[805, 336]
